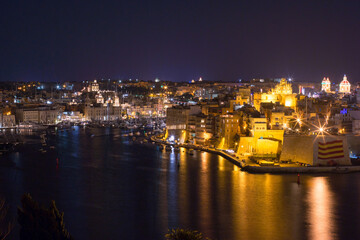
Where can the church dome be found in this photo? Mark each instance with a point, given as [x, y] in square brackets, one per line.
[345, 82]
[344, 85]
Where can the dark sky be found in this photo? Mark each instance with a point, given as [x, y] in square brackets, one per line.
[68, 40]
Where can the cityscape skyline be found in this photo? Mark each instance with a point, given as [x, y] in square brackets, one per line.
[179, 119]
[179, 41]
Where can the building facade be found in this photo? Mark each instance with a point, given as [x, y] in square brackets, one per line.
[345, 86]
[326, 85]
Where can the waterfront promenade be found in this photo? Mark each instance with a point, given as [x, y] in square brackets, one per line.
[283, 168]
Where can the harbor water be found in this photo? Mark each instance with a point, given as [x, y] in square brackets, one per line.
[112, 188]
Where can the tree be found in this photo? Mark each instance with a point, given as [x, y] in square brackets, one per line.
[184, 234]
[5, 225]
[38, 222]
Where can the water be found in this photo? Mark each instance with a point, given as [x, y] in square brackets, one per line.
[110, 188]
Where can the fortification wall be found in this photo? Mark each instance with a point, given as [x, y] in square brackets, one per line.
[339, 160]
[298, 149]
[305, 149]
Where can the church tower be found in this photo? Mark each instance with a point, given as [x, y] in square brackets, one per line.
[326, 85]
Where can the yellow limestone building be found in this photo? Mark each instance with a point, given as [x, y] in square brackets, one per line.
[263, 142]
[282, 94]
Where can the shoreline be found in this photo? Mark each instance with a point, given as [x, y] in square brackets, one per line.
[270, 169]
[306, 170]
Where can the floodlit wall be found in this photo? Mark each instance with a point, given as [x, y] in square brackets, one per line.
[298, 149]
[277, 134]
[267, 146]
[341, 161]
[263, 142]
[305, 149]
[246, 145]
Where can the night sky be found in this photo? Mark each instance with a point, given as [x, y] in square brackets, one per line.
[179, 40]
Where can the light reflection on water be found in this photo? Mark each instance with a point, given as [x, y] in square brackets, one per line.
[108, 183]
[321, 215]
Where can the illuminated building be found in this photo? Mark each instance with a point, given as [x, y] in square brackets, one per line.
[277, 120]
[228, 127]
[344, 86]
[177, 119]
[99, 98]
[282, 94]
[326, 85]
[216, 110]
[7, 120]
[94, 87]
[73, 116]
[200, 128]
[101, 113]
[282, 88]
[263, 143]
[116, 101]
[243, 96]
[37, 115]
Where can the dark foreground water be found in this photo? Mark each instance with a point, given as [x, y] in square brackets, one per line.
[110, 188]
